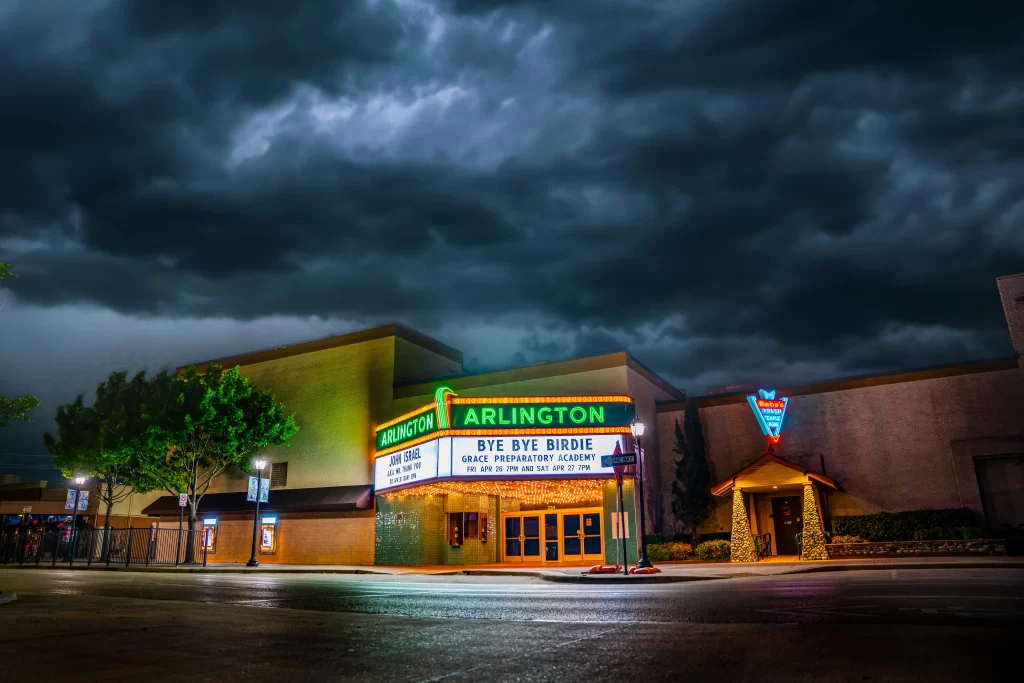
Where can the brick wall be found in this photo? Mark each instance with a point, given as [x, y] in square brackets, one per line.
[303, 538]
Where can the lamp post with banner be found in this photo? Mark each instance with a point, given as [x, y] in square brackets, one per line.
[638, 428]
[77, 499]
[256, 493]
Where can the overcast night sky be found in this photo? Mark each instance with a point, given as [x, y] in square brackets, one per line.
[732, 190]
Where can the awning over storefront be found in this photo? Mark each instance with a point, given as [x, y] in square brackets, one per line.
[769, 473]
[326, 499]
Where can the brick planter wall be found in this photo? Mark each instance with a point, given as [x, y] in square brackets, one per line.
[916, 548]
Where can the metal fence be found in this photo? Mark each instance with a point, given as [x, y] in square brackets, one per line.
[148, 547]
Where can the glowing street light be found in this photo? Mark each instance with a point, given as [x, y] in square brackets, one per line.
[637, 427]
[259, 464]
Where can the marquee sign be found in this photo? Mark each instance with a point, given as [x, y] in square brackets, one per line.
[501, 457]
[511, 437]
[770, 412]
[452, 415]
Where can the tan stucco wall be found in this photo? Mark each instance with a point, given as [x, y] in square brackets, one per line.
[888, 447]
[337, 396]
[413, 363]
[660, 463]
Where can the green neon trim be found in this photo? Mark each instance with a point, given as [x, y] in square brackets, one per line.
[442, 407]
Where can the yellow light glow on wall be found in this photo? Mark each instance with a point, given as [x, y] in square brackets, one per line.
[404, 416]
[538, 492]
[532, 431]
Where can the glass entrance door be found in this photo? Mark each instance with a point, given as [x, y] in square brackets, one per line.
[553, 536]
[513, 539]
[581, 536]
[522, 538]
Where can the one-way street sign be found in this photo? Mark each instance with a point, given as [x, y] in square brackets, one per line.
[618, 460]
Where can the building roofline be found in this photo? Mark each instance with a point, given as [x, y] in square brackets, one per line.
[726, 484]
[858, 382]
[654, 378]
[535, 371]
[393, 330]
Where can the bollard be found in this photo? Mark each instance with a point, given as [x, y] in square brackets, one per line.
[128, 555]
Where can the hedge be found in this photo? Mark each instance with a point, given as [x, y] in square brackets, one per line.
[900, 526]
[714, 550]
[661, 552]
[709, 536]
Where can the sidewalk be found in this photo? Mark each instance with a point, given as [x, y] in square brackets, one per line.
[670, 572]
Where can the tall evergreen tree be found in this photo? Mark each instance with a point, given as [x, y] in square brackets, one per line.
[691, 492]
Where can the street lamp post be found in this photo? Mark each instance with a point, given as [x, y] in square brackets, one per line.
[638, 427]
[73, 539]
[259, 463]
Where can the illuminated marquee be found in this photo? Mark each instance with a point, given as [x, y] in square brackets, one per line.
[770, 412]
[500, 457]
[451, 415]
[508, 437]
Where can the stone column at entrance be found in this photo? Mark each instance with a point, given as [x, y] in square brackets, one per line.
[813, 546]
[742, 543]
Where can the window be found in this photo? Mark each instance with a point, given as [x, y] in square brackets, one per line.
[210, 534]
[268, 534]
[455, 528]
[466, 526]
[278, 475]
[472, 525]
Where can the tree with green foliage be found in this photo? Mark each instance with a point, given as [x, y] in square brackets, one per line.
[691, 488]
[109, 439]
[205, 423]
[12, 409]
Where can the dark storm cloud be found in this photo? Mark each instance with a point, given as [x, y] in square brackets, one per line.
[733, 190]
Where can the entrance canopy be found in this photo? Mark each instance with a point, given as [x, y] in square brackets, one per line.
[770, 473]
[529, 492]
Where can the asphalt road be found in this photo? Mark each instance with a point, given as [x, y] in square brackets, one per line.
[863, 625]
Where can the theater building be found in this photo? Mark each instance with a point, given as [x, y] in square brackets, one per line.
[403, 458]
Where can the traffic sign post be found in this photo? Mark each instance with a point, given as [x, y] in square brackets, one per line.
[618, 460]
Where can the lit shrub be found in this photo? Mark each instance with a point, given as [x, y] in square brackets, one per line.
[717, 549]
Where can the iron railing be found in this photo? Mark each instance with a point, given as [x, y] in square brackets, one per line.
[149, 547]
[763, 545]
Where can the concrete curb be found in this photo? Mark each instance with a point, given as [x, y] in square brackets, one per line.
[908, 565]
[584, 578]
[206, 570]
[598, 579]
[7, 597]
